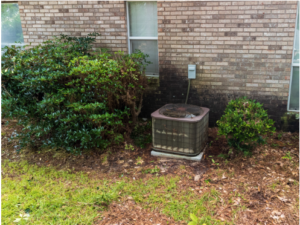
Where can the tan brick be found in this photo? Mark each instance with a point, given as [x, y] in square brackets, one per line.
[222, 35]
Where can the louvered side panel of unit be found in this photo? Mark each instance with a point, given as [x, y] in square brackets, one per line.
[178, 137]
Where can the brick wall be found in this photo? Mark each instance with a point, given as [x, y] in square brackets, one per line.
[241, 48]
[43, 19]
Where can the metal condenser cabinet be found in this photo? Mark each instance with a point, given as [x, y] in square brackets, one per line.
[180, 129]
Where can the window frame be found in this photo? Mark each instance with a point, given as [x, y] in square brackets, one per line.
[293, 64]
[132, 38]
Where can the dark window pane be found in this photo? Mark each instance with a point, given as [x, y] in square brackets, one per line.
[294, 95]
[150, 48]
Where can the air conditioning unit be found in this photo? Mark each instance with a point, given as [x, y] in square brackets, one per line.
[180, 129]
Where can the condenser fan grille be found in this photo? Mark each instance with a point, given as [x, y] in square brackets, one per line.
[180, 111]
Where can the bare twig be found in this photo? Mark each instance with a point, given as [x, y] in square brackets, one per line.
[140, 106]
[5, 90]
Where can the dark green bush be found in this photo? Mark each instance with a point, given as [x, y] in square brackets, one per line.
[66, 96]
[244, 123]
[142, 134]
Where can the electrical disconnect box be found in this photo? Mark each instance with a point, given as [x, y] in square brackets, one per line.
[192, 71]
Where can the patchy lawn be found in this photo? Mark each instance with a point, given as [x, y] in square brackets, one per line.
[126, 184]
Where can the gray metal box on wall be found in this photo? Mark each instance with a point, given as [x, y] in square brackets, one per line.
[192, 71]
[184, 136]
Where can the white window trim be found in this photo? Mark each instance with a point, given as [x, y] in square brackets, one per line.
[9, 44]
[139, 38]
[293, 64]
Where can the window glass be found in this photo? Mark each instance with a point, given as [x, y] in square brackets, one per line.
[150, 48]
[143, 33]
[294, 95]
[293, 102]
[143, 19]
[11, 28]
[296, 47]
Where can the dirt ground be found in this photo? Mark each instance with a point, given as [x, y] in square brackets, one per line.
[261, 189]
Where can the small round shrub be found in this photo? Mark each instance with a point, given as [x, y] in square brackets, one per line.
[66, 96]
[244, 123]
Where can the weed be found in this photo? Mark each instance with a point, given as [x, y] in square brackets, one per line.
[104, 159]
[182, 167]
[213, 161]
[274, 145]
[224, 156]
[231, 174]
[194, 219]
[279, 135]
[294, 137]
[274, 185]
[139, 160]
[155, 170]
[207, 181]
[145, 171]
[129, 147]
[288, 156]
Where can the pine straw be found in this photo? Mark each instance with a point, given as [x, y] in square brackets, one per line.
[128, 213]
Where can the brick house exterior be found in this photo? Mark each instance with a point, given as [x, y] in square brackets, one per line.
[240, 48]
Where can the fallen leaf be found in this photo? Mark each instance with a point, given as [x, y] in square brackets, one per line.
[237, 201]
[283, 199]
[276, 215]
[197, 178]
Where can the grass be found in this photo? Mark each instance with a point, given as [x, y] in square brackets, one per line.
[52, 197]
[63, 197]
[154, 170]
[274, 185]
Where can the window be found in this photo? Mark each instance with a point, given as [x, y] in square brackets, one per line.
[11, 28]
[293, 101]
[142, 32]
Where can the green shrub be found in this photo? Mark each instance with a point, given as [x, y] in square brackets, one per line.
[142, 134]
[244, 123]
[66, 96]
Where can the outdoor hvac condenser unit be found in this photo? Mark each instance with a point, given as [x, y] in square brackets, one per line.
[180, 129]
